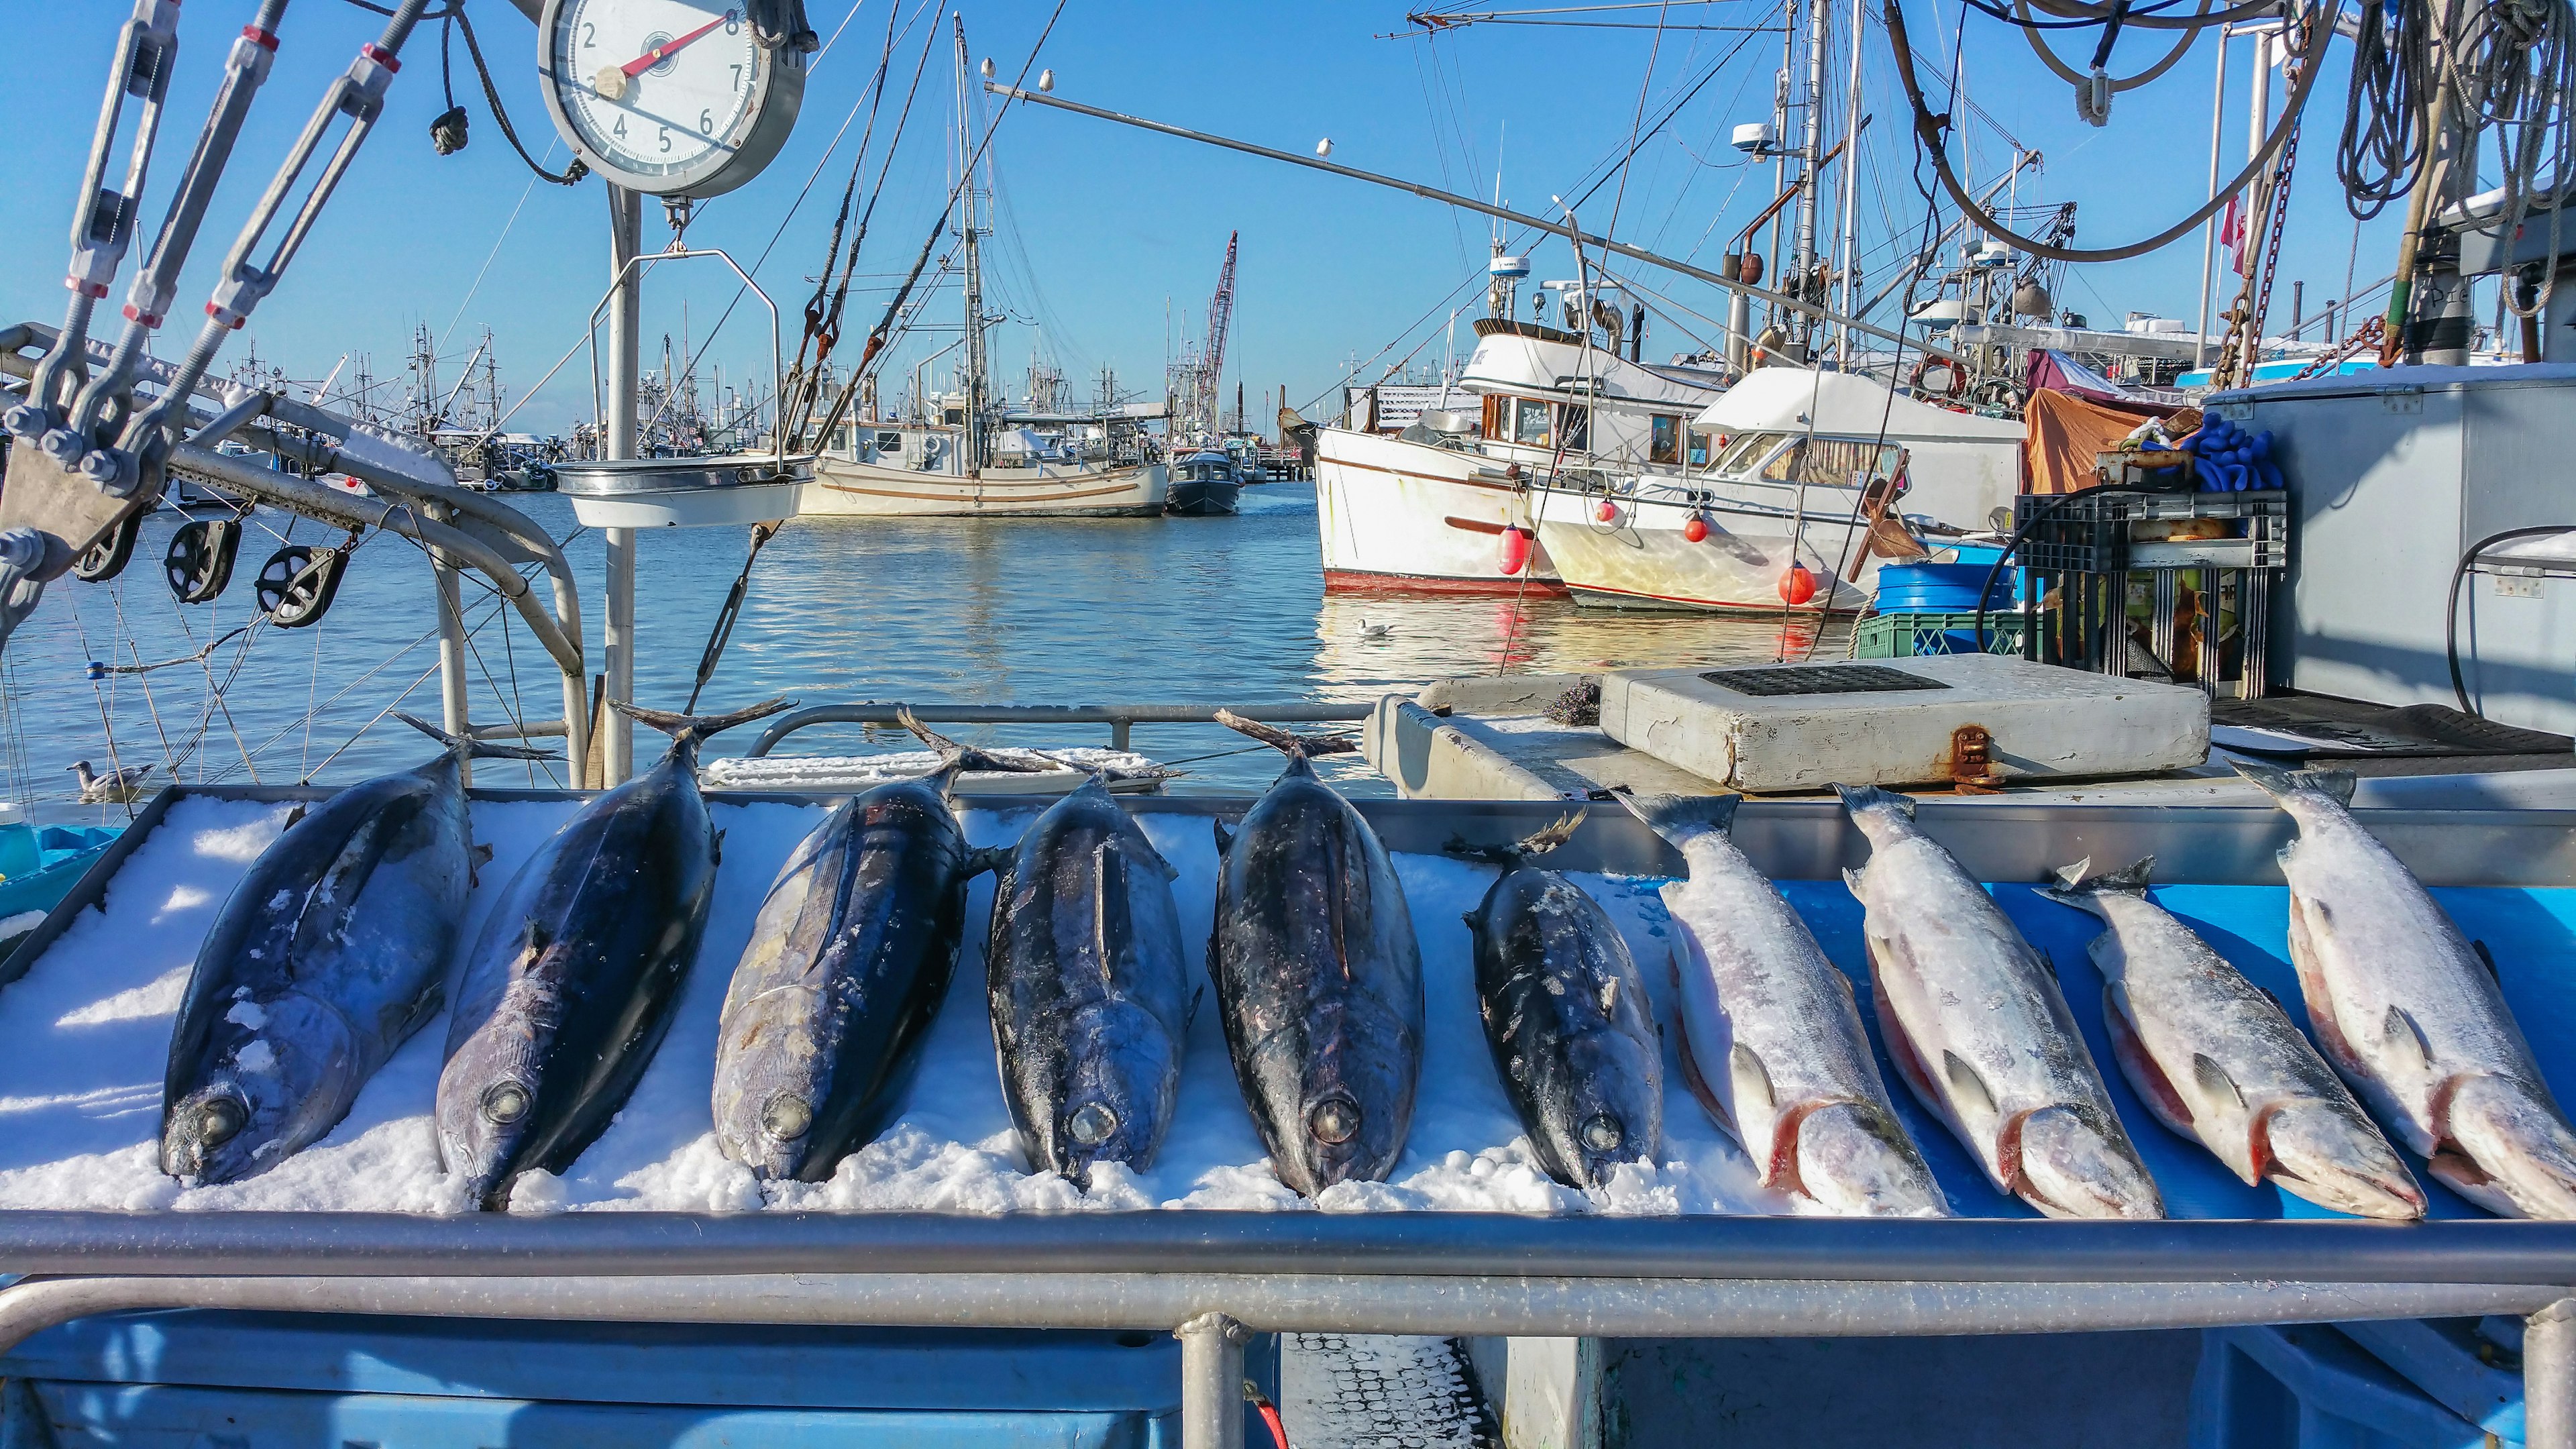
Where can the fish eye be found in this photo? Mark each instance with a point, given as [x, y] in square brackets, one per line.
[1092, 1123]
[505, 1102]
[220, 1120]
[787, 1116]
[1602, 1132]
[1334, 1121]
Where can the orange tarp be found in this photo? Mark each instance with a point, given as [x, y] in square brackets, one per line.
[2061, 434]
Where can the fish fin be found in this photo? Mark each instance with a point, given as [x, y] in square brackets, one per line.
[1513, 854]
[1610, 996]
[1694, 1081]
[1296, 746]
[2401, 1026]
[2335, 785]
[2214, 1079]
[1852, 880]
[2129, 880]
[473, 748]
[991, 857]
[2487, 957]
[715, 849]
[2276, 999]
[1469, 917]
[1752, 1079]
[294, 815]
[1224, 837]
[1196, 997]
[1857, 798]
[1966, 1087]
[2049, 959]
[476, 857]
[1677, 819]
[699, 726]
[1109, 923]
[957, 759]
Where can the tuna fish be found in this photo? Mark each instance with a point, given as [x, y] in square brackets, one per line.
[1567, 1017]
[1089, 993]
[1318, 976]
[1771, 1036]
[847, 963]
[327, 956]
[568, 993]
[2216, 1059]
[2409, 1010]
[1979, 1029]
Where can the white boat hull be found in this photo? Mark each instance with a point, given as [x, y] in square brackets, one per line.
[1642, 559]
[1399, 515]
[843, 489]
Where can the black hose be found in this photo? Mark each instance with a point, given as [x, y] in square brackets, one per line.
[2451, 610]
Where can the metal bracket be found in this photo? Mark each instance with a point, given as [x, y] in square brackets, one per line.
[1972, 769]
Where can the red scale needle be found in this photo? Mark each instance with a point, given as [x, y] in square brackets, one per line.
[668, 48]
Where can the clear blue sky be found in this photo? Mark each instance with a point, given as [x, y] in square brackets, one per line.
[1103, 227]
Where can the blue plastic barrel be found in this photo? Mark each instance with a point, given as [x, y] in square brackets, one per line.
[1949, 588]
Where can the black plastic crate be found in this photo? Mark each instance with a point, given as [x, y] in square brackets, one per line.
[2090, 534]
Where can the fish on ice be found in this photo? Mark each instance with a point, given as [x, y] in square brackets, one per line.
[1318, 975]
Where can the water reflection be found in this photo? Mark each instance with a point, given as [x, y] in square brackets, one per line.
[1081, 612]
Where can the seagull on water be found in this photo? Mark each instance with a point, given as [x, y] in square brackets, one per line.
[115, 788]
[1375, 631]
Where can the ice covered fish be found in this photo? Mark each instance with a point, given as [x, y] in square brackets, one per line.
[1771, 1037]
[848, 961]
[1318, 976]
[2407, 1009]
[1980, 1031]
[1089, 993]
[1566, 1015]
[566, 995]
[329, 954]
[2218, 1060]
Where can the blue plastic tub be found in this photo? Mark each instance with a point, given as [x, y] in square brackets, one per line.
[61, 853]
[1949, 588]
[218, 1379]
[2309, 1386]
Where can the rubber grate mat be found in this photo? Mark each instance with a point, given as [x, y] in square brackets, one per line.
[1367, 1391]
[2414, 730]
[1819, 679]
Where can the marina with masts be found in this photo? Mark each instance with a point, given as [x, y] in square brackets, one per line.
[1875, 809]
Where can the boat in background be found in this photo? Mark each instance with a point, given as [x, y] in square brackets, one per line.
[1795, 454]
[1206, 484]
[919, 470]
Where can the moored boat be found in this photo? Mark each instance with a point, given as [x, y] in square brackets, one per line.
[1206, 484]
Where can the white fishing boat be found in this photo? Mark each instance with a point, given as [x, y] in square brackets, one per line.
[1445, 504]
[1791, 453]
[918, 470]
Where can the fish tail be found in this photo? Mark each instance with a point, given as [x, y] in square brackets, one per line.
[473, 748]
[2074, 880]
[2335, 785]
[1857, 798]
[957, 759]
[693, 727]
[1286, 742]
[1507, 856]
[1680, 819]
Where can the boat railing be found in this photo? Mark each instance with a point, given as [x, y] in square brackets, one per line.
[1120, 718]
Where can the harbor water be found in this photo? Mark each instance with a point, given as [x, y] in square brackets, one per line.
[1222, 610]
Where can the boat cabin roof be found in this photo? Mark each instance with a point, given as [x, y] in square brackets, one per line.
[1786, 399]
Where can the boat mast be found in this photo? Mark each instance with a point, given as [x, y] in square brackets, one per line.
[1802, 268]
[1847, 242]
[974, 440]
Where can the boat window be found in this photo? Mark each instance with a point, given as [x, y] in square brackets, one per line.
[1703, 448]
[1578, 427]
[1663, 439]
[1839, 462]
[1747, 450]
[1531, 427]
[889, 442]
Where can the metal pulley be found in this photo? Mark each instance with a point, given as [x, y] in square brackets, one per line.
[199, 561]
[299, 581]
[108, 557]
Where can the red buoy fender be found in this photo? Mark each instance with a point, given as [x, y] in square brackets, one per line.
[1516, 549]
[1797, 586]
[1696, 529]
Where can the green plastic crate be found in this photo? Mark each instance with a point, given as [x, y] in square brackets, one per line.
[1904, 636]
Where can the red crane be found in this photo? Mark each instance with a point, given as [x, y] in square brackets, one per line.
[1220, 314]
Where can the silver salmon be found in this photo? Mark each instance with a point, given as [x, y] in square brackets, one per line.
[2411, 1014]
[2217, 1060]
[1771, 1036]
[1980, 1031]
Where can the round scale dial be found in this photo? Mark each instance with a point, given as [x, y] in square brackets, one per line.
[670, 97]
